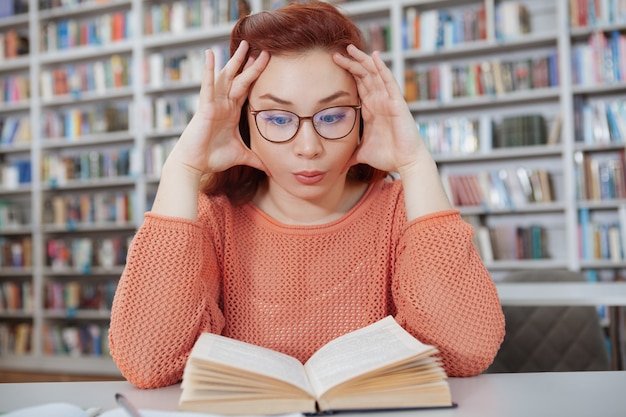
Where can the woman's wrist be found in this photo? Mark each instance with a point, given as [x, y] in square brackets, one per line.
[177, 195]
[423, 190]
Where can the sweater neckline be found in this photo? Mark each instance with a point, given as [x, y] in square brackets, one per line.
[258, 215]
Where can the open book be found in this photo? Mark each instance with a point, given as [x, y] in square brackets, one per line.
[380, 366]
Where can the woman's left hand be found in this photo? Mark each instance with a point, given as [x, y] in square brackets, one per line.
[390, 139]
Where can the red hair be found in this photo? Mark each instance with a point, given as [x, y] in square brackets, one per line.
[296, 28]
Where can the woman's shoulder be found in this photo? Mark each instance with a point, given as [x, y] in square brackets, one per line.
[388, 189]
[214, 206]
[384, 198]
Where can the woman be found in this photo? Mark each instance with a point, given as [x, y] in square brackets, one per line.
[275, 223]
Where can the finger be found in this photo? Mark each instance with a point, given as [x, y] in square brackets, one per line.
[251, 72]
[362, 58]
[351, 65]
[391, 84]
[234, 64]
[362, 68]
[208, 77]
[358, 75]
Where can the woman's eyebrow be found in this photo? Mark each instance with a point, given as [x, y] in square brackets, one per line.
[324, 100]
[272, 97]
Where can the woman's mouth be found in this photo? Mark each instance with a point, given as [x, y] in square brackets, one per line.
[309, 177]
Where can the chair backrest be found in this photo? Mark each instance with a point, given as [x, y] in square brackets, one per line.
[542, 339]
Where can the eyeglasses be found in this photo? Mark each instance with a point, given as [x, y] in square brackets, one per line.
[281, 126]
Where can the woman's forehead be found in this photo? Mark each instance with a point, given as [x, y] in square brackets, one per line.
[295, 77]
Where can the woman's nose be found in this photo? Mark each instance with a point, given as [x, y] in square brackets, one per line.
[307, 142]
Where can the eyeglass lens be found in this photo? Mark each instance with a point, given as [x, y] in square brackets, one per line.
[282, 125]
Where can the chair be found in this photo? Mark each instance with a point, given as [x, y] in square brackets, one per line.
[542, 339]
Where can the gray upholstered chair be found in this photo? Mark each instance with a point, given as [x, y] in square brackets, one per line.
[542, 339]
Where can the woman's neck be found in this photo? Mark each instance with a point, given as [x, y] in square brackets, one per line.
[288, 209]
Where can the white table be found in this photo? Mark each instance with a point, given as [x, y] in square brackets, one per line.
[559, 394]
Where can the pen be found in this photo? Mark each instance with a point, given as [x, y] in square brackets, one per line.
[126, 405]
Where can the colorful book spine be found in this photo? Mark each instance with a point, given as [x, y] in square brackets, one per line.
[502, 188]
[446, 82]
[66, 34]
[57, 169]
[76, 340]
[14, 89]
[73, 123]
[79, 78]
[83, 254]
[594, 13]
[180, 16]
[601, 60]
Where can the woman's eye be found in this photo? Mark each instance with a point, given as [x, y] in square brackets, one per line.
[280, 120]
[331, 118]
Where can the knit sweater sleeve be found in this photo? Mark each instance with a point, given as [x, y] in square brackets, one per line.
[167, 295]
[445, 296]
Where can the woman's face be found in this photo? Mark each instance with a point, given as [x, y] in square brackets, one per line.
[307, 166]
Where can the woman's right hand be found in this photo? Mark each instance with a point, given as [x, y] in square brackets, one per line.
[211, 142]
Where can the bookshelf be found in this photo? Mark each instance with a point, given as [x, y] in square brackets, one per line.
[497, 75]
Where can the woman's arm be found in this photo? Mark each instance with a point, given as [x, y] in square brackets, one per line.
[444, 294]
[167, 295]
[391, 140]
[211, 142]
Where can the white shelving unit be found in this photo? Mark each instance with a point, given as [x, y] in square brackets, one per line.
[550, 31]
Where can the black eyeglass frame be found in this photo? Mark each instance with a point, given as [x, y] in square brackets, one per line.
[254, 113]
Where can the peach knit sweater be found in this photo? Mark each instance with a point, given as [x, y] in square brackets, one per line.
[237, 272]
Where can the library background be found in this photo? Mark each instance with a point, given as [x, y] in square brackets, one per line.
[522, 104]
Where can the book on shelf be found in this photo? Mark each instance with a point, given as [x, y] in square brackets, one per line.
[76, 340]
[445, 82]
[377, 36]
[77, 78]
[88, 208]
[600, 60]
[600, 239]
[380, 366]
[180, 16]
[593, 13]
[510, 242]
[429, 30]
[16, 173]
[7, 8]
[16, 252]
[14, 215]
[15, 88]
[79, 295]
[13, 44]
[15, 130]
[554, 136]
[522, 130]
[83, 254]
[600, 176]
[16, 296]
[503, 188]
[512, 20]
[73, 122]
[70, 33]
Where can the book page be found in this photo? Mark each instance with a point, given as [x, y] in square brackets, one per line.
[362, 351]
[247, 357]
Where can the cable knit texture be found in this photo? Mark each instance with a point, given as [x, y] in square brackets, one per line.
[237, 272]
